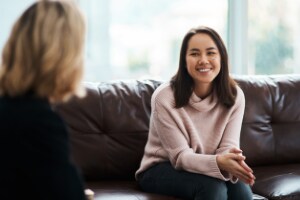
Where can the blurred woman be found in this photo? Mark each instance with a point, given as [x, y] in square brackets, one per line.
[42, 63]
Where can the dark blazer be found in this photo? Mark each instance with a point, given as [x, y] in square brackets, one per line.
[34, 152]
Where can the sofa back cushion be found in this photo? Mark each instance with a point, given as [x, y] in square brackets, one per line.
[271, 125]
[109, 127]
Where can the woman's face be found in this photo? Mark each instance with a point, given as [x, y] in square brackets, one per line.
[203, 60]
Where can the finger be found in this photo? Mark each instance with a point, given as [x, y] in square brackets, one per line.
[244, 177]
[245, 166]
[248, 175]
[241, 173]
[245, 173]
[251, 182]
[238, 157]
[235, 150]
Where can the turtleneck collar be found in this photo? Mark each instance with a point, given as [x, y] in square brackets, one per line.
[205, 104]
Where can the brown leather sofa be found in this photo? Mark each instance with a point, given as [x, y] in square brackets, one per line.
[109, 127]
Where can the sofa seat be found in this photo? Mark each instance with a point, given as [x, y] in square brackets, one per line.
[278, 181]
[122, 190]
[128, 190]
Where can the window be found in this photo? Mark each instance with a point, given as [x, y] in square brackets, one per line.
[134, 39]
[10, 11]
[138, 39]
[273, 32]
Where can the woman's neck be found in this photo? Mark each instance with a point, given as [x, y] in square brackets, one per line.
[203, 90]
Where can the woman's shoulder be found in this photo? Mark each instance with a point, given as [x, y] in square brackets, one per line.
[163, 94]
[163, 90]
[25, 107]
[240, 97]
[239, 92]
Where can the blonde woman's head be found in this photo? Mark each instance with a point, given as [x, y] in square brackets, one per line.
[44, 53]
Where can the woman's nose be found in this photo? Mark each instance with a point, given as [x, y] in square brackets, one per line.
[203, 60]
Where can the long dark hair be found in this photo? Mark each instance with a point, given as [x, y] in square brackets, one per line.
[183, 84]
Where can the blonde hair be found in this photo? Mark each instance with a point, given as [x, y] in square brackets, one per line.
[44, 53]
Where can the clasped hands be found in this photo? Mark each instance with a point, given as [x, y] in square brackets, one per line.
[234, 163]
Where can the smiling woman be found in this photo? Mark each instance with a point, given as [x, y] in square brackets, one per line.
[196, 117]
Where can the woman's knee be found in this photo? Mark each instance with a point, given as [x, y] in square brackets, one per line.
[213, 189]
[240, 191]
[163, 179]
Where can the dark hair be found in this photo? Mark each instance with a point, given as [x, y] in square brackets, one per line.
[183, 84]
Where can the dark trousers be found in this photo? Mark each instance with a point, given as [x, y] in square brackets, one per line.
[164, 179]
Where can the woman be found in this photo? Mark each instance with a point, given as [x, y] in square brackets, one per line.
[42, 63]
[193, 147]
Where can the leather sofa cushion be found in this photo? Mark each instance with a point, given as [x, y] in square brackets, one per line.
[278, 181]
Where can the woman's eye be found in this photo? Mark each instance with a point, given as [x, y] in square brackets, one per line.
[194, 54]
[211, 53]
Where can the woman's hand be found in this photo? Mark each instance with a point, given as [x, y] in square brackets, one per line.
[242, 163]
[234, 163]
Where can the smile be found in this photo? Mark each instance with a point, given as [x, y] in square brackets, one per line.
[204, 69]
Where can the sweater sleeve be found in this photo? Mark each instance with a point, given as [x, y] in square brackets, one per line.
[231, 135]
[170, 128]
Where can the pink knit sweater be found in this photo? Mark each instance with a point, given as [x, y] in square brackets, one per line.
[190, 137]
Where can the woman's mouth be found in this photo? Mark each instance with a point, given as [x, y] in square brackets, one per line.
[204, 69]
